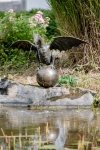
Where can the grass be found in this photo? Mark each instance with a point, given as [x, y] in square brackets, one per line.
[80, 19]
[91, 81]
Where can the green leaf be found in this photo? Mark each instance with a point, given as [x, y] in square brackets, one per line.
[70, 80]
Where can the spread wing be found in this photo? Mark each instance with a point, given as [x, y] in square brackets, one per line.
[65, 42]
[24, 44]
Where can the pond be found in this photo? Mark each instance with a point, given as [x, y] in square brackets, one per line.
[59, 129]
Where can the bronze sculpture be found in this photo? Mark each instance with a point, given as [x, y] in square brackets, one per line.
[47, 76]
[44, 52]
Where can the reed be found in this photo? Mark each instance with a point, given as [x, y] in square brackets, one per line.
[47, 130]
[1, 147]
[80, 18]
[18, 141]
[9, 144]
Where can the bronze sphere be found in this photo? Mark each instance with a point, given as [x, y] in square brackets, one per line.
[47, 76]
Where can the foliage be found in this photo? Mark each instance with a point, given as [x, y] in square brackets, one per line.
[15, 61]
[20, 26]
[73, 16]
[80, 18]
[14, 28]
[68, 79]
[51, 30]
[96, 103]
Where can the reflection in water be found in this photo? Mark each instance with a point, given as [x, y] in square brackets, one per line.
[65, 126]
[61, 138]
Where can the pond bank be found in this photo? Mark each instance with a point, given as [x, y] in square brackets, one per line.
[12, 92]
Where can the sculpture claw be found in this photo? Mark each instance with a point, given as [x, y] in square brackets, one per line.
[52, 66]
[39, 68]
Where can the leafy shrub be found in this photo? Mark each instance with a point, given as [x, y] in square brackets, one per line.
[21, 26]
[69, 79]
[52, 29]
[15, 59]
[13, 28]
[1, 14]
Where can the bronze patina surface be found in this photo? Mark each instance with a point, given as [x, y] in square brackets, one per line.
[44, 52]
[47, 76]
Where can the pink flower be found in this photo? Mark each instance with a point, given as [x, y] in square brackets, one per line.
[38, 17]
[39, 12]
[11, 18]
[41, 20]
[10, 10]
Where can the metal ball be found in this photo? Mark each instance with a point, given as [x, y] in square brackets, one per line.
[47, 76]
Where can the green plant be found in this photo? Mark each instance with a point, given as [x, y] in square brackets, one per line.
[96, 103]
[11, 60]
[69, 79]
[52, 30]
[14, 28]
[80, 18]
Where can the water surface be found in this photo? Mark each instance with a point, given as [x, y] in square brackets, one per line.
[63, 127]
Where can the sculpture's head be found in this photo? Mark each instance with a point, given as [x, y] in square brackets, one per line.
[38, 40]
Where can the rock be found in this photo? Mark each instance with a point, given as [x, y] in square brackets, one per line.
[16, 93]
[84, 100]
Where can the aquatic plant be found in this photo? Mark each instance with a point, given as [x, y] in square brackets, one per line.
[35, 141]
[24, 141]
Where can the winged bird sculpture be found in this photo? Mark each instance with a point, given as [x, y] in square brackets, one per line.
[44, 52]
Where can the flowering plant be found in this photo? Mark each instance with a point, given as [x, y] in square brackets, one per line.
[38, 23]
[14, 28]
